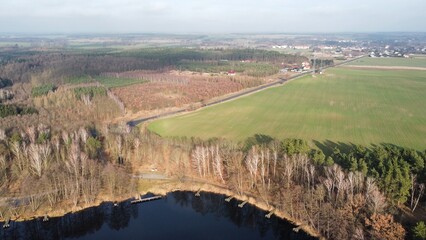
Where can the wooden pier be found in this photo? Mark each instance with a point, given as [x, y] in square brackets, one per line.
[6, 224]
[270, 213]
[242, 204]
[229, 199]
[141, 200]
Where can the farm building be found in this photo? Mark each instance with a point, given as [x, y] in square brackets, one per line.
[231, 73]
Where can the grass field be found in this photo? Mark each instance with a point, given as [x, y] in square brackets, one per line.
[343, 105]
[108, 82]
[251, 69]
[403, 62]
[11, 44]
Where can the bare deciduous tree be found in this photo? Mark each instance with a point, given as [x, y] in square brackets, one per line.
[252, 164]
[359, 234]
[119, 142]
[339, 180]
[87, 100]
[2, 134]
[328, 184]
[84, 134]
[275, 150]
[3, 168]
[39, 157]
[288, 169]
[217, 162]
[19, 155]
[197, 155]
[416, 189]
[32, 133]
[375, 199]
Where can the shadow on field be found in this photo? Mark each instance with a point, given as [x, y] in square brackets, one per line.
[328, 146]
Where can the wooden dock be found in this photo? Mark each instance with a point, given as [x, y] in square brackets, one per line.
[242, 204]
[6, 224]
[229, 199]
[141, 200]
[270, 213]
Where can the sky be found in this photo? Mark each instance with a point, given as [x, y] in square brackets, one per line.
[211, 16]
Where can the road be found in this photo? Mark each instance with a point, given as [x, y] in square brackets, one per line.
[151, 176]
[135, 122]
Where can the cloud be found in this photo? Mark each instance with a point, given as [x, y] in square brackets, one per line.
[52, 8]
[211, 15]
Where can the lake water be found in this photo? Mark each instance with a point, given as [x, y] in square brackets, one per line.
[179, 215]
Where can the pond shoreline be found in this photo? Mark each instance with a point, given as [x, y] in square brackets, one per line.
[169, 187]
[223, 190]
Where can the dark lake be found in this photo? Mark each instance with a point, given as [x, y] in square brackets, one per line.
[179, 215]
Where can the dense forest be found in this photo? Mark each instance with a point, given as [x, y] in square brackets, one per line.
[53, 67]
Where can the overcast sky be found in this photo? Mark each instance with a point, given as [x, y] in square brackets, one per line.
[211, 16]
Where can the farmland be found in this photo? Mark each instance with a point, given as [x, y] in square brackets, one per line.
[145, 79]
[402, 62]
[343, 105]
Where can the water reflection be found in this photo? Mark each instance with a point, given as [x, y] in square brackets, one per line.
[180, 215]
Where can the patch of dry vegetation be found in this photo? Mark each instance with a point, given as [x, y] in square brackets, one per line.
[178, 89]
[64, 111]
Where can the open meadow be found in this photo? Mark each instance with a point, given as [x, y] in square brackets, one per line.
[343, 105]
[416, 61]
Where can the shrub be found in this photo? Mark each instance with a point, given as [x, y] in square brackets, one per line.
[90, 91]
[317, 157]
[42, 90]
[5, 82]
[420, 230]
[93, 146]
[10, 110]
[295, 146]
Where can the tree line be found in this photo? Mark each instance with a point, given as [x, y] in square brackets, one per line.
[53, 67]
[331, 194]
[321, 191]
[51, 168]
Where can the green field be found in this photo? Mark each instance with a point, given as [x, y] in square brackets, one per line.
[403, 62]
[254, 69]
[12, 44]
[111, 82]
[342, 105]
[108, 82]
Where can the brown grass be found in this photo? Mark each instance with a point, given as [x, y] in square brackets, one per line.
[178, 89]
